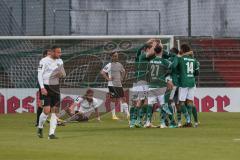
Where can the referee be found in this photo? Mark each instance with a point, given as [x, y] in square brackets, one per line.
[50, 69]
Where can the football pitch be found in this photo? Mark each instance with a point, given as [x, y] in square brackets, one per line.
[216, 138]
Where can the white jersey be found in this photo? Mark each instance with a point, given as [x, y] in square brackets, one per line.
[87, 107]
[114, 71]
[48, 71]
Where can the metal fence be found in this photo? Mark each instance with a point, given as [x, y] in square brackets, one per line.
[107, 22]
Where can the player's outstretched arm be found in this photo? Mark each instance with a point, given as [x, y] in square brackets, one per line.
[97, 114]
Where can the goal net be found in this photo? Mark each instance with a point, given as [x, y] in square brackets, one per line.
[83, 56]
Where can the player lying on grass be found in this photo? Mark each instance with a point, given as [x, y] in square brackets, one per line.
[88, 104]
[140, 88]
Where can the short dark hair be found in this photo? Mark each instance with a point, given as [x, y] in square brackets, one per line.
[158, 49]
[45, 52]
[113, 52]
[185, 48]
[89, 91]
[147, 46]
[55, 47]
[174, 50]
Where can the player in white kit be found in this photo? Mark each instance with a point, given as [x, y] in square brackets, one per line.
[49, 71]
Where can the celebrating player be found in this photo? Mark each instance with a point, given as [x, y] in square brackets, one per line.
[114, 73]
[140, 88]
[159, 82]
[188, 69]
[173, 96]
[88, 103]
[49, 71]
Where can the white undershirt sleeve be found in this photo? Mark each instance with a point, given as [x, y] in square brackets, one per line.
[40, 74]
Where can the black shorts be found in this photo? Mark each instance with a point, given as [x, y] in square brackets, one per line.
[53, 96]
[40, 94]
[81, 117]
[116, 92]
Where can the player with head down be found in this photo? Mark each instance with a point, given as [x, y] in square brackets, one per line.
[160, 81]
[140, 89]
[49, 71]
[40, 96]
[85, 105]
[188, 68]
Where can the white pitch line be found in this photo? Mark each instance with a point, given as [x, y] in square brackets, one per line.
[236, 139]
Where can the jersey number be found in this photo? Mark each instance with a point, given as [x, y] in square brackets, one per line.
[154, 70]
[189, 67]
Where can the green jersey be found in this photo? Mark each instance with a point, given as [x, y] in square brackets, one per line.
[173, 58]
[141, 64]
[187, 66]
[158, 69]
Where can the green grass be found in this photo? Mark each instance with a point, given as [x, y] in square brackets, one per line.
[213, 140]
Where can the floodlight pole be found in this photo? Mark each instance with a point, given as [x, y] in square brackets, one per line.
[189, 19]
[44, 17]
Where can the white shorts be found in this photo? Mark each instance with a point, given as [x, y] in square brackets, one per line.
[157, 95]
[172, 93]
[186, 93]
[154, 100]
[140, 90]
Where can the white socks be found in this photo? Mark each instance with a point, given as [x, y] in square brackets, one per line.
[124, 107]
[53, 124]
[42, 120]
[112, 105]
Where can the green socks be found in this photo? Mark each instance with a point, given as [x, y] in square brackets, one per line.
[185, 113]
[179, 118]
[189, 109]
[195, 114]
[171, 117]
[133, 115]
[149, 112]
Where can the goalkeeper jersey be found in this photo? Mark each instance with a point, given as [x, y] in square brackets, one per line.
[187, 66]
[158, 70]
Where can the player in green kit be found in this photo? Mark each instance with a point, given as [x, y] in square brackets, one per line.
[140, 88]
[159, 82]
[171, 96]
[188, 69]
[173, 57]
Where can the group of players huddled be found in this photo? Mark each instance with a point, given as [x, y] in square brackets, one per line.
[163, 78]
[167, 79]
